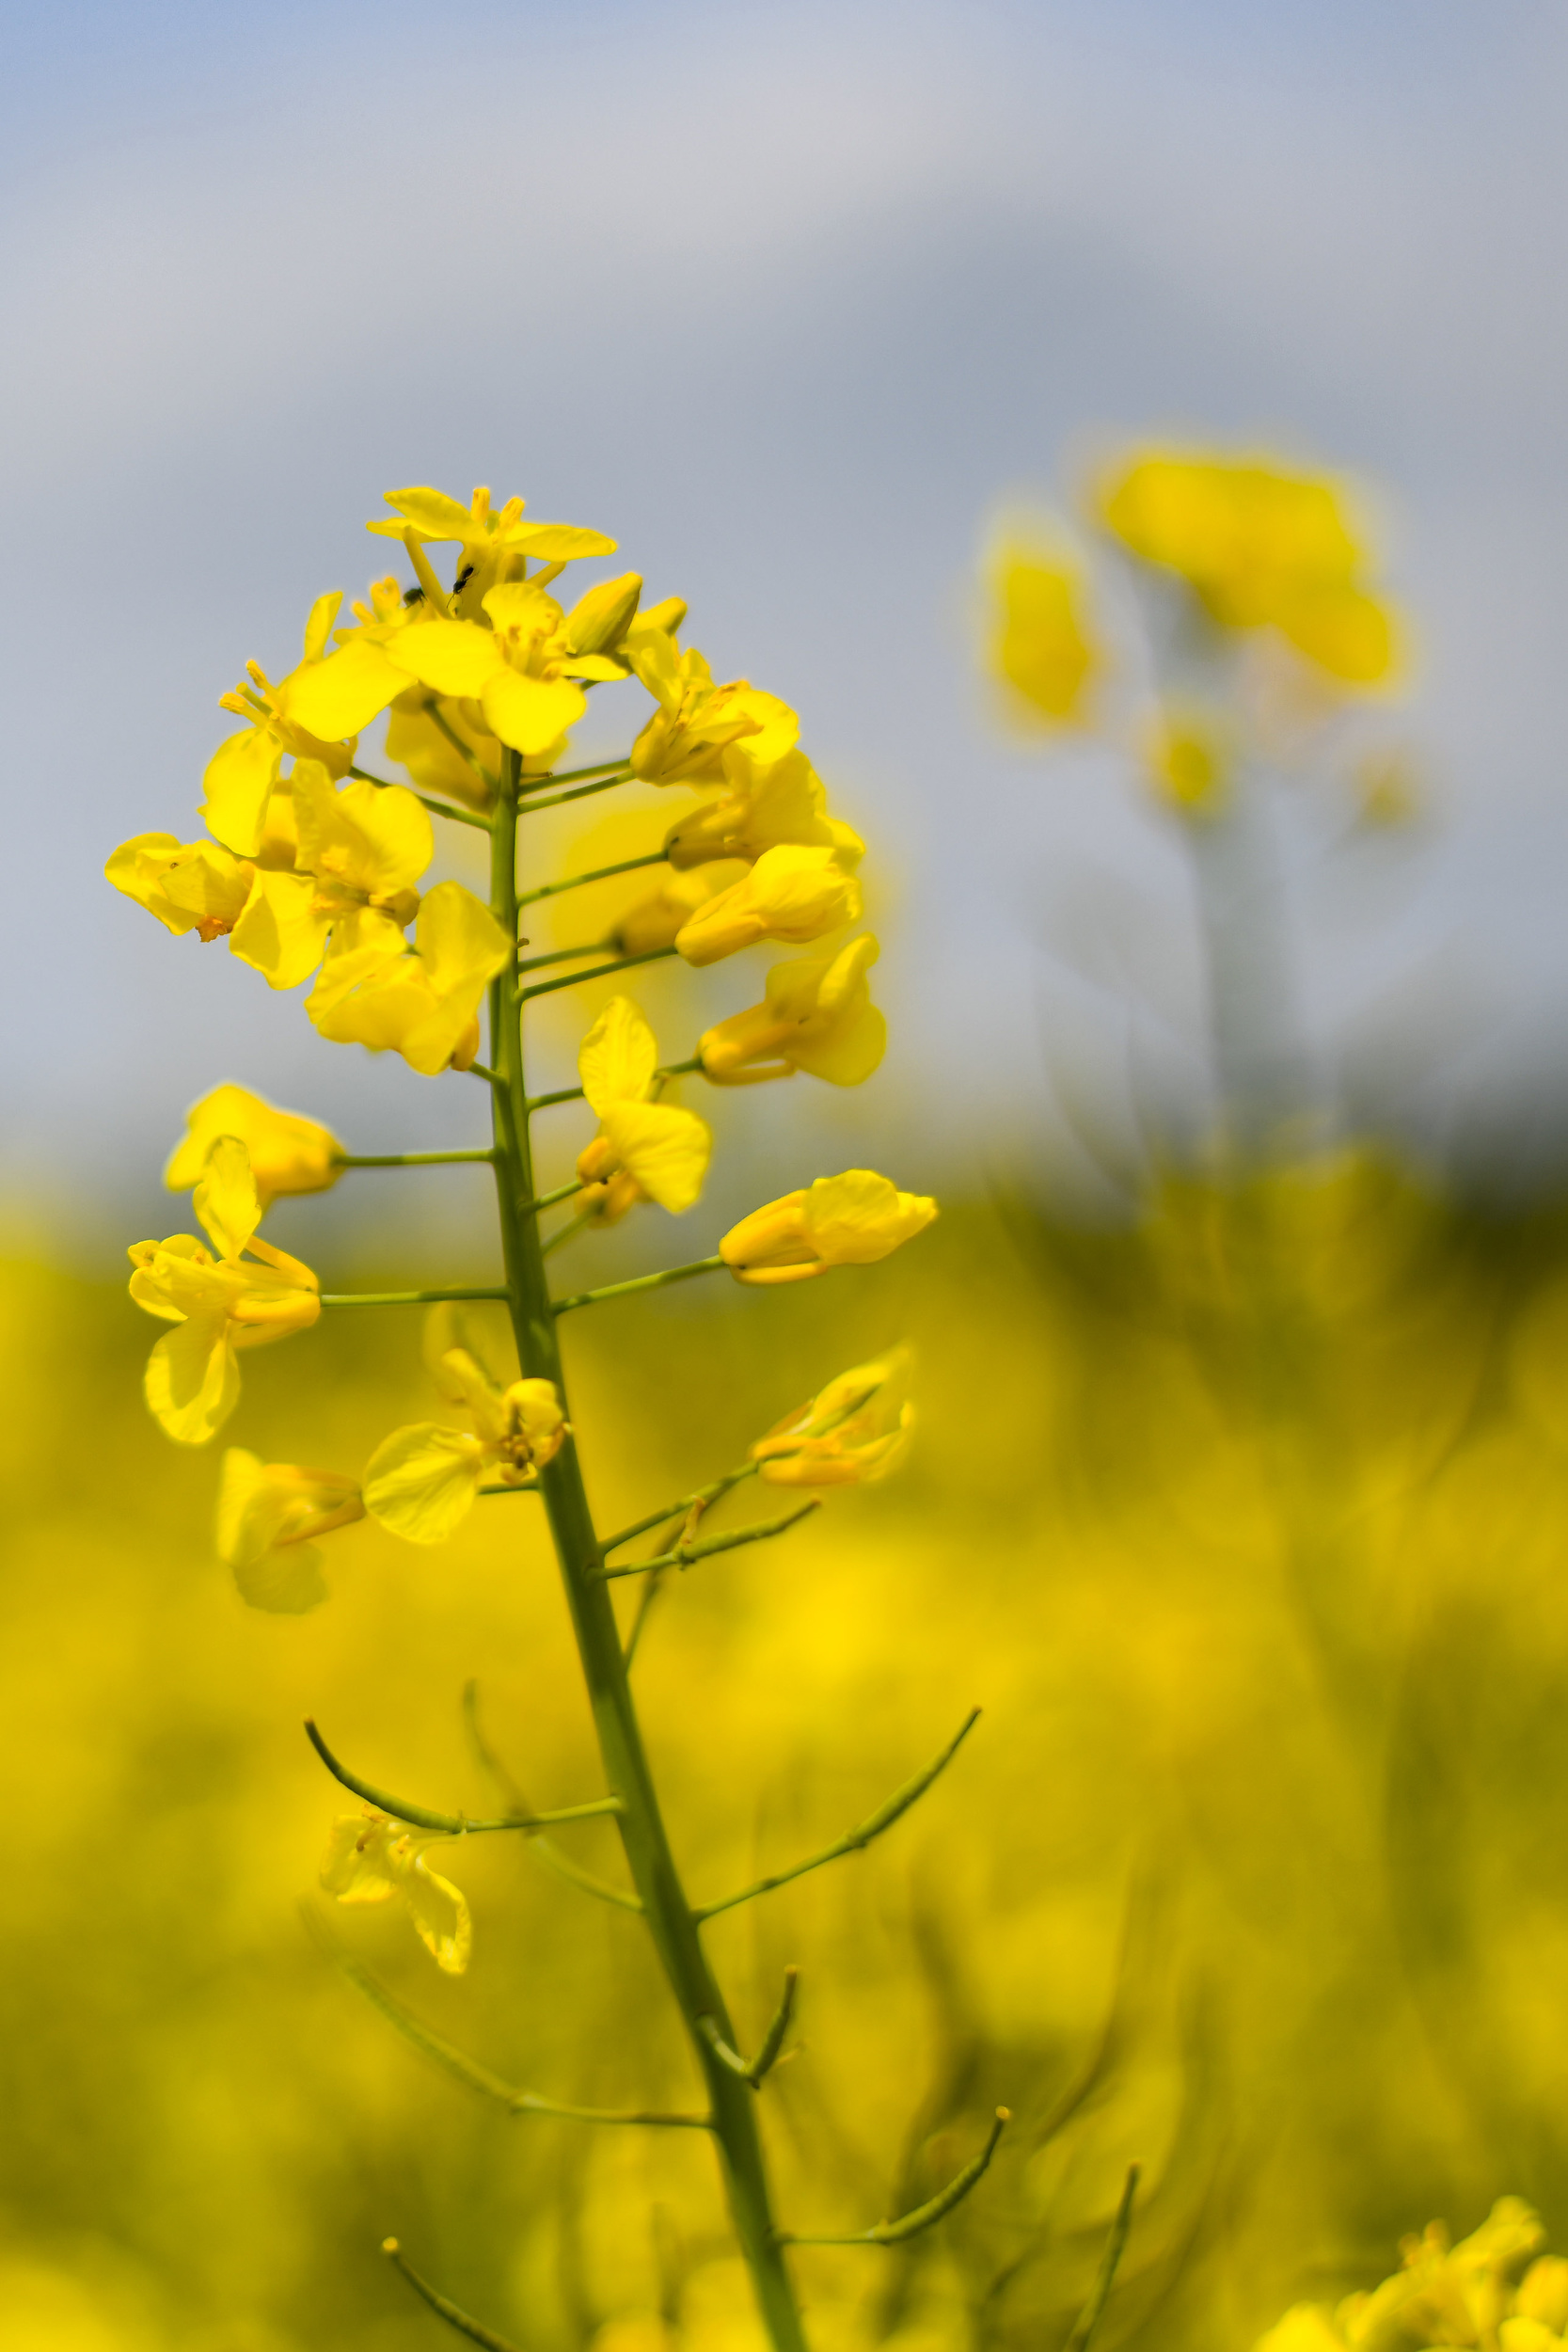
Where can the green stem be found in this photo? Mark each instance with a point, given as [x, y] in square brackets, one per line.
[571, 980]
[683, 1554]
[402, 1299]
[574, 1094]
[528, 785]
[641, 1823]
[638, 1282]
[579, 793]
[565, 955]
[600, 873]
[436, 808]
[411, 1159]
[449, 1824]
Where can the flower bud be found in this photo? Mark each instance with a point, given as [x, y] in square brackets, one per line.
[598, 621]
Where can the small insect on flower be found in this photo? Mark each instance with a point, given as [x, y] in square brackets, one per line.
[371, 1858]
[423, 1480]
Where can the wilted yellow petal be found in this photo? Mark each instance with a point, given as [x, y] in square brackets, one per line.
[193, 1381]
[441, 1916]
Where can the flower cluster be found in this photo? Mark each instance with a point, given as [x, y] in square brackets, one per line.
[1494, 2288]
[1261, 561]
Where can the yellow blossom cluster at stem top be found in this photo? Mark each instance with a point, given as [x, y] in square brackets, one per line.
[312, 867]
[1495, 2288]
[1253, 549]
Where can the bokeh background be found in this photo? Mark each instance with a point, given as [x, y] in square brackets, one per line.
[1241, 1512]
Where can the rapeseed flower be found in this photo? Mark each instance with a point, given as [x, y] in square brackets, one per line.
[791, 894]
[764, 807]
[422, 1003]
[371, 1858]
[287, 1153]
[359, 853]
[659, 920]
[494, 543]
[851, 1219]
[189, 886]
[296, 716]
[218, 1305]
[817, 1015]
[1258, 546]
[268, 1516]
[684, 741]
[853, 1431]
[1189, 758]
[645, 1149]
[1042, 647]
[1446, 2295]
[423, 1481]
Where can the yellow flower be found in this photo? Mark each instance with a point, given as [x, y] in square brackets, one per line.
[288, 1154]
[1188, 758]
[294, 716]
[268, 1515]
[190, 886]
[1443, 2294]
[218, 1304]
[495, 543]
[659, 920]
[421, 1481]
[790, 894]
[684, 741]
[763, 808]
[1258, 544]
[360, 849]
[851, 1219]
[644, 1151]
[854, 1431]
[817, 1016]
[414, 741]
[423, 1005]
[371, 1858]
[1042, 648]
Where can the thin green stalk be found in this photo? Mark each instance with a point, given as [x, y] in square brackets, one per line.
[683, 1504]
[683, 1554]
[574, 1094]
[454, 2317]
[1110, 2262]
[600, 873]
[924, 2216]
[671, 1921]
[528, 785]
[462, 749]
[579, 793]
[573, 1225]
[565, 954]
[412, 1159]
[638, 1282]
[451, 1825]
[571, 980]
[436, 808]
[402, 1299]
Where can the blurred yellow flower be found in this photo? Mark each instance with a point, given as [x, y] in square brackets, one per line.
[359, 852]
[243, 772]
[288, 1154]
[790, 894]
[853, 1431]
[764, 807]
[1042, 647]
[421, 1481]
[1258, 544]
[659, 920]
[684, 741]
[851, 1219]
[268, 1516]
[1188, 757]
[643, 1150]
[218, 1305]
[371, 1858]
[816, 1016]
[189, 886]
[1443, 2294]
[422, 1004]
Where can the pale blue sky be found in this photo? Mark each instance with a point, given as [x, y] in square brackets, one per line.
[784, 297]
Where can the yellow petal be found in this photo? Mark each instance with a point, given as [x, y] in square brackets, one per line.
[375, 838]
[432, 514]
[224, 1199]
[193, 1380]
[858, 1217]
[459, 940]
[529, 713]
[420, 1482]
[358, 1866]
[288, 1154]
[318, 624]
[1042, 648]
[238, 782]
[617, 1058]
[664, 1149]
[286, 1582]
[451, 656]
[337, 697]
[849, 1052]
[282, 930]
[441, 1916]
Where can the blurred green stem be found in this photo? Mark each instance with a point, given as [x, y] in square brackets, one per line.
[671, 1922]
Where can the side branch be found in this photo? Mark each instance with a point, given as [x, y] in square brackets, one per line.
[596, 972]
[467, 2069]
[678, 1509]
[436, 808]
[683, 1554]
[752, 2070]
[600, 873]
[438, 2304]
[574, 1094]
[909, 2224]
[449, 1824]
[414, 1159]
[1100, 2294]
[623, 1290]
[579, 793]
[855, 1840]
[402, 1299]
